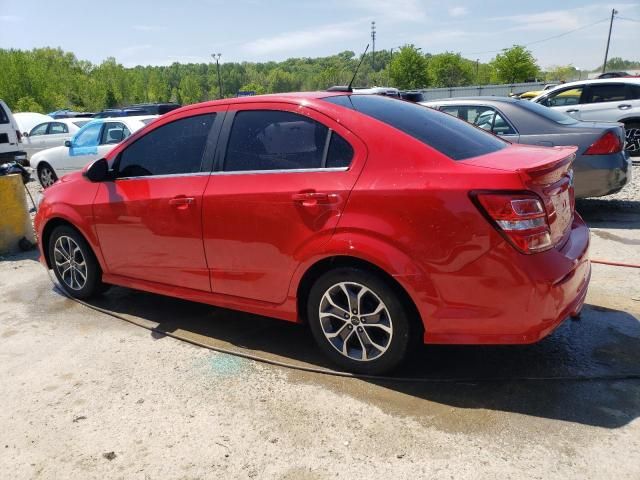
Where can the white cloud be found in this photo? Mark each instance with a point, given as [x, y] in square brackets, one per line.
[297, 40]
[10, 18]
[458, 11]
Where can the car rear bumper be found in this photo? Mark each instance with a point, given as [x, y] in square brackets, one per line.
[599, 175]
[519, 299]
[16, 156]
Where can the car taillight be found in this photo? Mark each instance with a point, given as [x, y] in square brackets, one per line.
[520, 218]
[606, 144]
[19, 135]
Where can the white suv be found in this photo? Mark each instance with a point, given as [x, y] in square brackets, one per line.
[603, 100]
[10, 148]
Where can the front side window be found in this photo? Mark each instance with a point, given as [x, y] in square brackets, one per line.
[174, 148]
[563, 98]
[114, 132]
[453, 138]
[88, 136]
[4, 118]
[56, 128]
[607, 92]
[274, 140]
[39, 130]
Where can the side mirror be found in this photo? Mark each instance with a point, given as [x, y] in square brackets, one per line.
[67, 143]
[98, 171]
[25, 134]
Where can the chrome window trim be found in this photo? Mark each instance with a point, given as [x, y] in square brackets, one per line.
[239, 172]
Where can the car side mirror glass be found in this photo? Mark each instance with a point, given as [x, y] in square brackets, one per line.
[98, 171]
[67, 143]
[25, 134]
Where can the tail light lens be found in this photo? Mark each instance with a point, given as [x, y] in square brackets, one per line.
[520, 218]
[19, 135]
[606, 144]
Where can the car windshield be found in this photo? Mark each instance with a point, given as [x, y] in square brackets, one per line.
[453, 137]
[548, 113]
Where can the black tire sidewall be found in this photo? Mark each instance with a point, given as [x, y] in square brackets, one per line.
[54, 177]
[402, 331]
[94, 273]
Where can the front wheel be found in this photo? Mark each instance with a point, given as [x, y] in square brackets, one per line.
[359, 321]
[74, 263]
[46, 175]
[632, 136]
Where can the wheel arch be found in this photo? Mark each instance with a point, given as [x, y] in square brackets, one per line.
[326, 264]
[57, 221]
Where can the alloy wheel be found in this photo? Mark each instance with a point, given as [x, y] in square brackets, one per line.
[355, 321]
[47, 177]
[70, 263]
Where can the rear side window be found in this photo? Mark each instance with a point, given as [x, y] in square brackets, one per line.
[4, 118]
[454, 138]
[57, 128]
[608, 92]
[174, 148]
[340, 152]
[274, 140]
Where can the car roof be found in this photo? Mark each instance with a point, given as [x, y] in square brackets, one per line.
[596, 81]
[473, 100]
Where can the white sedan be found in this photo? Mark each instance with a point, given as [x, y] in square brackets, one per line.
[91, 142]
[51, 133]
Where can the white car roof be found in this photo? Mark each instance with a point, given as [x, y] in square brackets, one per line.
[577, 83]
[27, 120]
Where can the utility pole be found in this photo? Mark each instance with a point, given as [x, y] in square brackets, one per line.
[373, 49]
[216, 57]
[606, 53]
[478, 71]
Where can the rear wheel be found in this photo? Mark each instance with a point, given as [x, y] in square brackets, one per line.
[46, 175]
[74, 264]
[632, 134]
[359, 321]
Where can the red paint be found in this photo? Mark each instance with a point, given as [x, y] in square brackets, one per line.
[246, 240]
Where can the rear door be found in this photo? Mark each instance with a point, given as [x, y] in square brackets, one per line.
[282, 177]
[57, 133]
[149, 220]
[609, 102]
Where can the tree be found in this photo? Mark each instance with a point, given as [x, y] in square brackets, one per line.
[450, 70]
[617, 63]
[515, 64]
[27, 104]
[190, 90]
[408, 69]
[564, 73]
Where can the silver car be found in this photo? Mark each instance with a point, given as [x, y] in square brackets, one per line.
[602, 166]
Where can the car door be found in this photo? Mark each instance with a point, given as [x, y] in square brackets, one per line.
[56, 135]
[567, 100]
[607, 101]
[149, 219]
[83, 149]
[283, 175]
[36, 139]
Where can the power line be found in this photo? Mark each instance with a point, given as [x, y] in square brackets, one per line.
[545, 39]
[629, 19]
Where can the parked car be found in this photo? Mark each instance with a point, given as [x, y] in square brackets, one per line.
[50, 134]
[412, 96]
[380, 223]
[90, 142]
[70, 114]
[601, 167]
[613, 100]
[10, 147]
[120, 112]
[533, 93]
[27, 120]
[613, 75]
[156, 108]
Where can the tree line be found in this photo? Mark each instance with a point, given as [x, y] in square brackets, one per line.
[46, 79]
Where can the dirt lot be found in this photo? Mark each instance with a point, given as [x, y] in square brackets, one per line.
[85, 395]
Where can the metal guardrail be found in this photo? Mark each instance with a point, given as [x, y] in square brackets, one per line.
[480, 90]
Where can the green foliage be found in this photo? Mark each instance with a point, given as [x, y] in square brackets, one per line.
[450, 70]
[515, 64]
[619, 64]
[408, 69]
[28, 104]
[564, 73]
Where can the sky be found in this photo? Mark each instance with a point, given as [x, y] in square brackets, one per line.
[144, 32]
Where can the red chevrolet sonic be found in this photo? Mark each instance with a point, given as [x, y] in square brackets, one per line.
[378, 222]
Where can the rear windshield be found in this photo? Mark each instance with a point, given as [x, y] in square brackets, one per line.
[453, 137]
[548, 113]
[81, 123]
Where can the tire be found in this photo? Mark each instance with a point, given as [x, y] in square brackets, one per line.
[74, 264]
[390, 330]
[632, 135]
[46, 175]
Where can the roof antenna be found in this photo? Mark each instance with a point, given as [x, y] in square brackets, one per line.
[348, 87]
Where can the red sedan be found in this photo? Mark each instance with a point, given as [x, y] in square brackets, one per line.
[378, 222]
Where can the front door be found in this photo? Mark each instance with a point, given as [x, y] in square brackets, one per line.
[149, 220]
[281, 182]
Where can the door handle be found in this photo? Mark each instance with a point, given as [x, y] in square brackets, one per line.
[624, 106]
[309, 199]
[573, 110]
[181, 201]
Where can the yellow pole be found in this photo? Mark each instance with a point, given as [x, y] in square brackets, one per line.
[15, 221]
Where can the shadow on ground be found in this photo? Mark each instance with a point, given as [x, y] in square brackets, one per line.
[603, 343]
[13, 257]
[614, 214]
